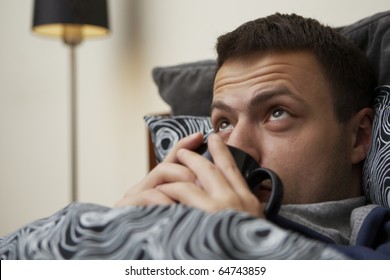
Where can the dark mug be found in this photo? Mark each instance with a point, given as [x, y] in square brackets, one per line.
[254, 175]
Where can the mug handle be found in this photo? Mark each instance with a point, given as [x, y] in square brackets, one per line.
[275, 201]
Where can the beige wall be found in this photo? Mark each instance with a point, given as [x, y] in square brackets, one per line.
[115, 91]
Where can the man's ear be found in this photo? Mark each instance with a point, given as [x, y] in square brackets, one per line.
[361, 125]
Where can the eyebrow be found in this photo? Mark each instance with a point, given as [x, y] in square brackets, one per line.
[260, 97]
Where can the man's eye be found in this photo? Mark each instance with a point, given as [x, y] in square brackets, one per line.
[278, 114]
[224, 126]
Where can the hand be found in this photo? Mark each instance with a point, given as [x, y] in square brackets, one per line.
[217, 186]
[168, 171]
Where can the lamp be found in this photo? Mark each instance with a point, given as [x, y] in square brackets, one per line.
[71, 20]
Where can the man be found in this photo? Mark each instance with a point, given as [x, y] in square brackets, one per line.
[297, 97]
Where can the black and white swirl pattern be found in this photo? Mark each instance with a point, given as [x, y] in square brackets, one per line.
[376, 175]
[86, 231]
[167, 131]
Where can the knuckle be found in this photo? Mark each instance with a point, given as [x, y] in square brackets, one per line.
[150, 197]
[187, 176]
[211, 168]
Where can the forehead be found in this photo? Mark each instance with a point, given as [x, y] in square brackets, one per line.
[299, 72]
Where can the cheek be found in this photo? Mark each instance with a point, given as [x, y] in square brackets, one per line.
[280, 152]
[308, 167]
[284, 158]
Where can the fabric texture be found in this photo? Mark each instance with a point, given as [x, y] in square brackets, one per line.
[376, 171]
[167, 131]
[316, 216]
[372, 35]
[188, 87]
[87, 231]
[373, 239]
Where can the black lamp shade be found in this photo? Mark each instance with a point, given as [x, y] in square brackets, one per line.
[53, 17]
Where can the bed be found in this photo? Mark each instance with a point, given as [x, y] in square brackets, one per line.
[90, 231]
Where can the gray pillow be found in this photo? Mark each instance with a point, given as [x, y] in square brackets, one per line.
[372, 35]
[187, 88]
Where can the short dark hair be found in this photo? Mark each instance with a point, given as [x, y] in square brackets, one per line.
[345, 66]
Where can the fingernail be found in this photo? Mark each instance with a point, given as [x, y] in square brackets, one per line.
[194, 135]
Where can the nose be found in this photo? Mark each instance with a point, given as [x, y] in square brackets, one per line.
[244, 137]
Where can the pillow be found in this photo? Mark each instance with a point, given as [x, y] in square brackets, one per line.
[372, 35]
[376, 171]
[167, 131]
[188, 87]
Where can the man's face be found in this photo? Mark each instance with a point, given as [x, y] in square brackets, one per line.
[278, 108]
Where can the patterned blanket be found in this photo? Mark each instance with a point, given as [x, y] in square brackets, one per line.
[88, 231]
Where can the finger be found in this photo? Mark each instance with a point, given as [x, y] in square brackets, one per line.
[207, 173]
[216, 192]
[191, 142]
[146, 198]
[166, 172]
[223, 180]
[188, 194]
[193, 196]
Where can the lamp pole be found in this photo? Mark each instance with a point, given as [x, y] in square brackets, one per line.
[74, 127]
[72, 37]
